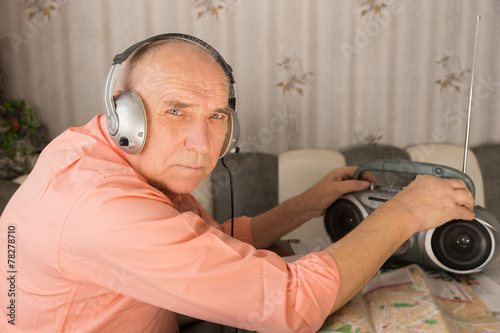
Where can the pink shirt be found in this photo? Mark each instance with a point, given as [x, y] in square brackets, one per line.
[100, 250]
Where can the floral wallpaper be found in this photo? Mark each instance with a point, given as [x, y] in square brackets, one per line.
[212, 8]
[311, 74]
[296, 78]
[40, 10]
[453, 77]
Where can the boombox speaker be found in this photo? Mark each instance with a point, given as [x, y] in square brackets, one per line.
[457, 246]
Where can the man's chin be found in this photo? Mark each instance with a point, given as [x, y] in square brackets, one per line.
[183, 188]
[181, 182]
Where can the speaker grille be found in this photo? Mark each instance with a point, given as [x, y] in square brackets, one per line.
[461, 245]
[340, 218]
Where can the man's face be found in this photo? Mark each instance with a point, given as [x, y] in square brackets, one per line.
[185, 96]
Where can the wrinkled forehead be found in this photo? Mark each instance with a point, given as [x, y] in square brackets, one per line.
[190, 74]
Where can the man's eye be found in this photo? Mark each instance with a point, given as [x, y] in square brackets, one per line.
[175, 112]
[218, 115]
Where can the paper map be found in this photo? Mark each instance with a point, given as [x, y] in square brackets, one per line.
[410, 299]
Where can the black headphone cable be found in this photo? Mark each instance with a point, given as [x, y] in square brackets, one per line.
[237, 150]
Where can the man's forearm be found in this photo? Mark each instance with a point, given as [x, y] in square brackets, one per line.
[270, 226]
[361, 253]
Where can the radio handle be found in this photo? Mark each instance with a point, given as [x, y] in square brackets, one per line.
[414, 167]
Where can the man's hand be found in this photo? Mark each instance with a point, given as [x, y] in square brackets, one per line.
[331, 187]
[429, 202]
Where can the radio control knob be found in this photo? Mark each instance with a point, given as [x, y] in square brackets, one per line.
[438, 171]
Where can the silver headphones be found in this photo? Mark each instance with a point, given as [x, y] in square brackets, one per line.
[125, 114]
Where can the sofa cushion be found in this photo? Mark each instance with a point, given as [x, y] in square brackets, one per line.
[7, 189]
[488, 157]
[360, 154]
[255, 185]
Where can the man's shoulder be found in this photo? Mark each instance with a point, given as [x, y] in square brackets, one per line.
[89, 147]
[78, 160]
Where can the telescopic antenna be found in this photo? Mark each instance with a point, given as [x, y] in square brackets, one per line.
[470, 98]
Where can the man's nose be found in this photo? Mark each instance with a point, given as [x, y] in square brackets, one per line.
[197, 136]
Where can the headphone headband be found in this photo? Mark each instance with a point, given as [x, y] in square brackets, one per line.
[119, 58]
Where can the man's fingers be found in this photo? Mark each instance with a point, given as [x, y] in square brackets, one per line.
[457, 184]
[466, 213]
[464, 198]
[352, 185]
[348, 172]
[368, 176]
[342, 173]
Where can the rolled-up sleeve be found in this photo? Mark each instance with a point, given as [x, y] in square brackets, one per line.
[242, 229]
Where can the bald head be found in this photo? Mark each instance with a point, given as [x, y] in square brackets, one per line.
[175, 47]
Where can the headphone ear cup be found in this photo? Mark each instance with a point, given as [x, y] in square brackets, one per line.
[235, 135]
[232, 134]
[132, 124]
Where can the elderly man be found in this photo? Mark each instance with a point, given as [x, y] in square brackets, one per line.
[113, 242]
